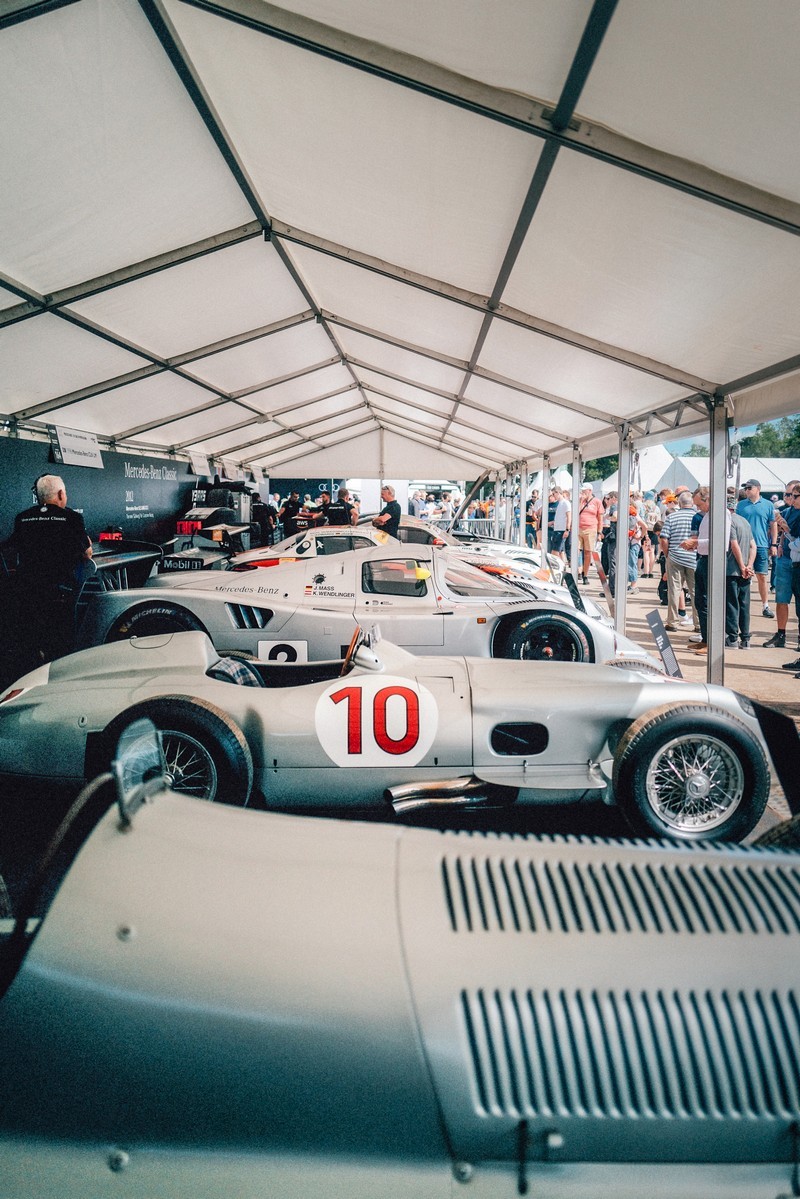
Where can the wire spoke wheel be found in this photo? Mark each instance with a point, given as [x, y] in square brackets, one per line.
[190, 768]
[206, 753]
[694, 783]
[691, 771]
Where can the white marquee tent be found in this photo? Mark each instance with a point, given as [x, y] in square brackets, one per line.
[362, 237]
[772, 473]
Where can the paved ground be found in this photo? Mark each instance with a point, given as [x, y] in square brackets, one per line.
[755, 672]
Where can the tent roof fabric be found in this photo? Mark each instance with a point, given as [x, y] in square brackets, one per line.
[371, 239]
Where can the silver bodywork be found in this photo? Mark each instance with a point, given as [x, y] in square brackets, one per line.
[227, 1003]
[307, 610]
[332, 539]
[300, 737]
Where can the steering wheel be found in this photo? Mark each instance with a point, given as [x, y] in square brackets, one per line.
[356, 640]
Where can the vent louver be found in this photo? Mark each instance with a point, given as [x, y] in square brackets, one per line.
[619, 1055]
[244, 616]
[514, 894]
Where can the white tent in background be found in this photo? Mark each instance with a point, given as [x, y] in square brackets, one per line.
[561, 477]
[772, 473]
[648, 468]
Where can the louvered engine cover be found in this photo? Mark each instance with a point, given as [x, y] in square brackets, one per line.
[627, 1002]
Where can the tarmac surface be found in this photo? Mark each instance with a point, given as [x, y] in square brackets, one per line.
[755, 672]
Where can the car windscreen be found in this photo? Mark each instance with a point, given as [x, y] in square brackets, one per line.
[461, 579]
[334, 545]
[396, 576]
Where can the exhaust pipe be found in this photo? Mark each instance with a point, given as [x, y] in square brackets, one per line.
[449, 793]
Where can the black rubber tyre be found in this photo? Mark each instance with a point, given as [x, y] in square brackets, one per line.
[691, 772]
[547, 637]
[206, 752]
[152, 618]
[785, 835]
[636, 664]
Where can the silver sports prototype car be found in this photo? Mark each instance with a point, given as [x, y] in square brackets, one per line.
[230, 1003]
[333, 539]
[423, 598]
[387, 732]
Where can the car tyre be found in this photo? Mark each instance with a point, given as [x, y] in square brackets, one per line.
[547, 637]
[206, 752]
[151, 619]
[691, 772]
[785, 835]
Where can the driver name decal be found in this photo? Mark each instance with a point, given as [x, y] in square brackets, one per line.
[376, 721]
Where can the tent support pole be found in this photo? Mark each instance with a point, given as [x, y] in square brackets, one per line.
[621, 548]
[524, 484]
[544, 534]
[509, 493]
[496, 513]
[575, 548]
[717, 547]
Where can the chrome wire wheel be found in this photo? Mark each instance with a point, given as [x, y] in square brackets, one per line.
[190, 767]
[694, 783]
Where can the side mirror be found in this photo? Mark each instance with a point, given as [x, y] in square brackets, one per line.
[139, 768]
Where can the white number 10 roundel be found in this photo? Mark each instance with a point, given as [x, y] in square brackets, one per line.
[376, 721]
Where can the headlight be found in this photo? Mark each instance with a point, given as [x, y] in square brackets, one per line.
[745, 704]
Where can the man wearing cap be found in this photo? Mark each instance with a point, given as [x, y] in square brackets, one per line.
[760, 515]
[590, 527]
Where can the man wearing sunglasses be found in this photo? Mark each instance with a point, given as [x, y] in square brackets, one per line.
[760, 515]
[787, 572]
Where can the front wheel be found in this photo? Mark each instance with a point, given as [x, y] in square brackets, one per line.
[547, 637]
[151, 619]
[692, 772]
[206, 753]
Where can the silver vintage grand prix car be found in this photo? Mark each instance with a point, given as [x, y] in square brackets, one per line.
[230, 1003]
[423, 598]
[386, 732]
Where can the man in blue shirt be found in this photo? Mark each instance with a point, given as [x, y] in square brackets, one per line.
[788, 520]
[760, 515]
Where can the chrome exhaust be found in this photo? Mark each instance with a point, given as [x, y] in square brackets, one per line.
[453, 793]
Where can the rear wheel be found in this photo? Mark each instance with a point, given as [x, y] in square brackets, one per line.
[152, 619]
[548, 637]
[691, 772]
[206, 753]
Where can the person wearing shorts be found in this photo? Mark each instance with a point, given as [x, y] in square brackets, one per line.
[760, 515]
[783, 566]
[590, 527]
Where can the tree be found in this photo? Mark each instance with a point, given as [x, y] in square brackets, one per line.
[774, 439]
[697, 451]
[600, 468]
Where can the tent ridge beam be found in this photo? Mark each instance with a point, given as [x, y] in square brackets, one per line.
[389, 416]
[471, 407]
[274, 465]
[297, 429]
[176, 53]
[413, 434]
[459, 364]
[521, 112]
[478, 303]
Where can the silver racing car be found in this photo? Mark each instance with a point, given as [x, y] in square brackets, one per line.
[424, 598]
[231, 1003]
[386, 732]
